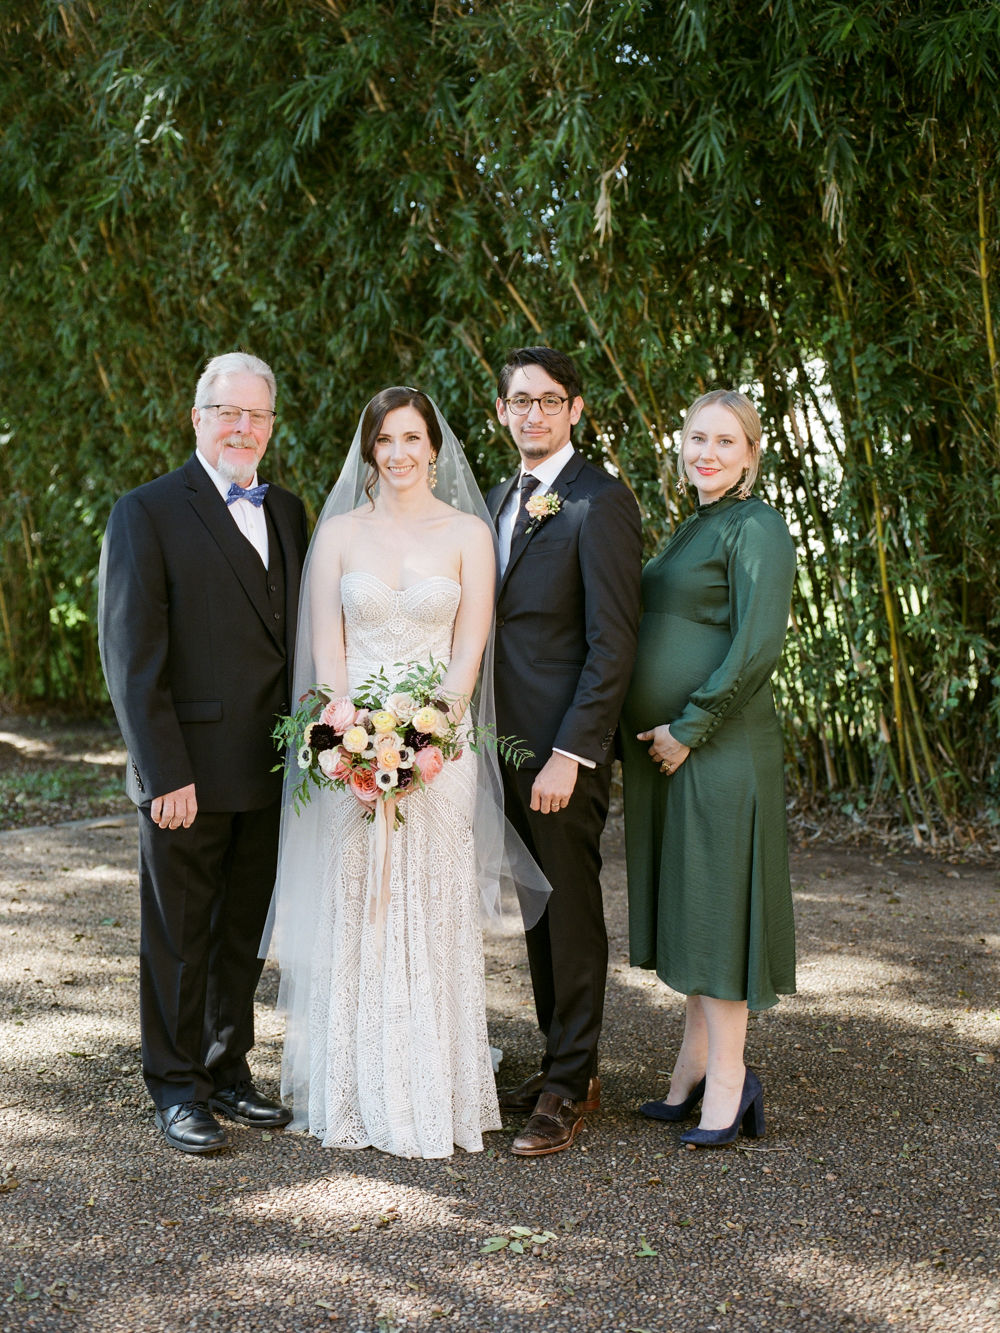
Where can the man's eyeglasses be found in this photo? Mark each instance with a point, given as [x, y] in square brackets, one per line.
[259, 416]
[550, 403]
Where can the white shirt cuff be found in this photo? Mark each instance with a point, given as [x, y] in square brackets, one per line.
[587, 763]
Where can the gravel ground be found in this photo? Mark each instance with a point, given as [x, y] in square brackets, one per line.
[54, 769]
[871, 1203]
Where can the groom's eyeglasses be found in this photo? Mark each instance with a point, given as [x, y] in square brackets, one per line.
[550, 403]
[230, 415]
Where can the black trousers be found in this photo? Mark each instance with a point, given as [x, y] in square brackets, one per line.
[568, 948]
[204, 893]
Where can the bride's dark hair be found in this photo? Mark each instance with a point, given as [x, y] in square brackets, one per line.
[376, 412]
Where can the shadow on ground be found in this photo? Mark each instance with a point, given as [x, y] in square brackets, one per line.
[872, 1202]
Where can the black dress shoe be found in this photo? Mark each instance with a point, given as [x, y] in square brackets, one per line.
[244, 1104]
[191, 1127]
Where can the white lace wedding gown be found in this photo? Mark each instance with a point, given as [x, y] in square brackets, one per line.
[399, 1057]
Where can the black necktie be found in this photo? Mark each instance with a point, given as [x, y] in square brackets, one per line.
[529, 484]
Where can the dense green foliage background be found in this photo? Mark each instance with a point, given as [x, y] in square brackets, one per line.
[801, 197]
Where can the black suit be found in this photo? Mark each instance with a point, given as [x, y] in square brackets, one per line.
[567, 626]
[196, 642]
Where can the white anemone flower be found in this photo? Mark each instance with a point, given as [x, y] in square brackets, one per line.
[406, 756]
[304, 757]
[386, 778]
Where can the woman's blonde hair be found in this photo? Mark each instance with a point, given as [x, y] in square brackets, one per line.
[746, 414]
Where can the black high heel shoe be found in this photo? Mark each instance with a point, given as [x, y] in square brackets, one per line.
[750, 1114]
[661, 1111]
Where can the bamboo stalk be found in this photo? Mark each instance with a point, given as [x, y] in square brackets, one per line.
[8, 635]
[904, 801]
[883, 567]
[919, 786]
[987, 318]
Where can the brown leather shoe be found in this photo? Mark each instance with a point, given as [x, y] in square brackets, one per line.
[525, 1097]
[553, 1126]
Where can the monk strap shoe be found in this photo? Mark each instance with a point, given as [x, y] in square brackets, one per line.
[191, 1127]
[244, 1104]
[553, 1127]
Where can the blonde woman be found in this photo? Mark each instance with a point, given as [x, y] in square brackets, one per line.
[710, 903]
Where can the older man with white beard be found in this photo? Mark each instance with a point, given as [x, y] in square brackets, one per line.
[198, 604]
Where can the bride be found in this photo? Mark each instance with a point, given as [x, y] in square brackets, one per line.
[386, 1041]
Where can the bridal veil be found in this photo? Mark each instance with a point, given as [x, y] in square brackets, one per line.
[504, 867]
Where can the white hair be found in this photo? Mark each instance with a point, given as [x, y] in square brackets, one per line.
[233, 363]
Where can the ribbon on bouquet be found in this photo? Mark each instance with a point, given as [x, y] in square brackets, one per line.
[380, 871]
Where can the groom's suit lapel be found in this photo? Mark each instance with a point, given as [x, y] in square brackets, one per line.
[210, 507]
[498, 497]
[562, 486]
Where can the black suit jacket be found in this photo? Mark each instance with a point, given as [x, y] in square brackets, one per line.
[568, 617]
[197, 659]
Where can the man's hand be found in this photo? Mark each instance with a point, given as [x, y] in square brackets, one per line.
[665, 751]
[175, 810]
[554, 785]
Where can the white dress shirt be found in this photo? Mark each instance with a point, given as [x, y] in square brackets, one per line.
[248, 518]
[547, 474]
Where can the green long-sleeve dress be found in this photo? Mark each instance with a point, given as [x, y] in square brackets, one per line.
[710, 902]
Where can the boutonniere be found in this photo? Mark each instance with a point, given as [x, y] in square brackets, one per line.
[541, 507]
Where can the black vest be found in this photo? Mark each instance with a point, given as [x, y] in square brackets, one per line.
[274, 578]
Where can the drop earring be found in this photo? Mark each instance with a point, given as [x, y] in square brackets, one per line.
[432, 473]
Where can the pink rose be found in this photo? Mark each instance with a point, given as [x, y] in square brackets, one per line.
[339, 714]
[430, 762]
[332, 764]
[363, 785]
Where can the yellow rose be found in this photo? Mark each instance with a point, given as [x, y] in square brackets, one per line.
[355, 740]
[383, 720]
[425, 719]
[388, 758]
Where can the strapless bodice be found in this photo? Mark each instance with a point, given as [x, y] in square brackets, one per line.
[383, 626]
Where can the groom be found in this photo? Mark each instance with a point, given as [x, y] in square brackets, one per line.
[198, 604]
[567, 623]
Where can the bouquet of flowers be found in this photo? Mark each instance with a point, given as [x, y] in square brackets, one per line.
[384, 742]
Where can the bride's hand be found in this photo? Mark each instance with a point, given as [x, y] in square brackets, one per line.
[665, 751]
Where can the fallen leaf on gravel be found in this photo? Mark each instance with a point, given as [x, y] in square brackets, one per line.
[986, 1059]
[165, 1223]
[356, 1227]
[684, 1221]
[517, 1247]
[654, 1180]
[520, 1231]
[799, 1222]
[723, 1307]
[494, 1244]
[110, 921]
[646, 1250]
[265, 1137]
[324, 1305]
[837, 1050]
[211, 1210]
[90, 1202]
[455, 1175]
